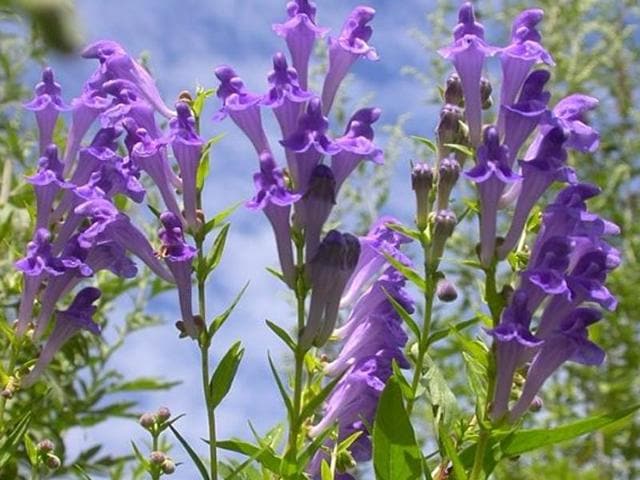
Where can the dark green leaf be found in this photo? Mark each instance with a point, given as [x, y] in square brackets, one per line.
[311, 406]
[13, 438]
[413, 326]
[282, 334]
[194, 456]
[396, 455]
[223, 377]
[266, 457]
[217, 322]
[220, 218]
[283, 391]
[215, 254]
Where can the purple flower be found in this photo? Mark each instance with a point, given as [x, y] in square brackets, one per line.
[569, 114]
[309, 138]
[468, 52]
[491, 174]
[330, 270]
[381, 240]
[547, 167]
[47, 104]
[117, 178]
[569, 342]
[242, 106]
[344, 51]
[187, 147]
[523, 116]
[68, 322]
[521, 55]
[300, 32]
[38, 263]
[513, 339]
[178, 256]
[356, 144]
[47, 182]
[275, 199]
[317, 203]
[107, 223]
[84, 110]
[128, 104]
[115, 64]
[148, 155]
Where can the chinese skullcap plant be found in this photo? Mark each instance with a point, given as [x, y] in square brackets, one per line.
[367, 377]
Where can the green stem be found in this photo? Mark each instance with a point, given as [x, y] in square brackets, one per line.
[423, 341]
[478, 461]
[155, 469]
[295, 420]
[13, 359]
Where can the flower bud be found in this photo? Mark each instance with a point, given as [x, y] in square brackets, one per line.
[157, 457]
[168, 467]
[163, 414]
[444, 223]
[485, 93]
[52, 462]
[446, 291]
[147, 420]
[453, 91]
[448, 174]
[345, 461]
[421, 182]
[536, 404]
[449, 128]
[45, 446]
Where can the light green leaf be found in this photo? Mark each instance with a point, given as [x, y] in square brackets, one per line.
[282, 334]
[396, 455]
[220, 218]
[411, 275]
[439, 394]
[220, 320]
[214, 256]
[425, 141]
[452, 454]
[265, 456]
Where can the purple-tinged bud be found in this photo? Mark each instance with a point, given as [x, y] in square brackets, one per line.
[178, 255]
[448, 174]
[157, 457]
[163, 414]
[45, 446]
[536, 404]
[344, 51]
[317, 203]
[168, 467]
[53, 462]
[446, 291]
[450, 129]
[468, 52]
[147, 420]
[422, 183]
[485, 93]
[443, 225]
[453, 91]
[300, 32]
[47, 104]
[330, 270]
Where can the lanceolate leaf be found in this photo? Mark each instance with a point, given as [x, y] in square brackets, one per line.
[413, 276]
[426, 142]
[225, 373]
[215, 254]
[265, 456]
[396, 455]
[194, 456]
[217, 322]
[282, 334]
[311, 406]
[13, 438]
[283, 391]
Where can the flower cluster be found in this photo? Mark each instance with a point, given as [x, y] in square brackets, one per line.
[373, 338]
[569, 261]
[79, 230]
[309, 185]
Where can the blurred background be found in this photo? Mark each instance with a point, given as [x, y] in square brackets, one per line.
[596, 47]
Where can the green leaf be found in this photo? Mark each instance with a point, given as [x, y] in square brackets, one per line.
[13, 438]
[425, 141]
[32, 451]
[215, 254]
[205, 160]
[283, 391]
[444, 333]
[396, 455]
[439, 394]
[143, 461]
[325, 470]
[460, 148]
[528, 440]
[145, 384]
[404, 230]
[282, 334]
[202, 94]
[311, 406]
[220, 320]
[413, 326]
[266, 457]
[223, 377]
[220, 218]
[194, 456]
[452, 454]
[411, 275]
